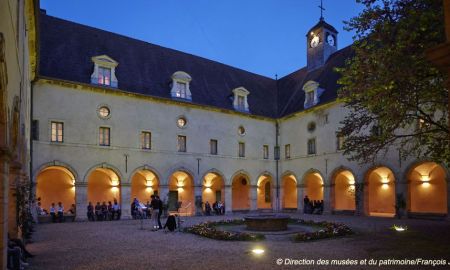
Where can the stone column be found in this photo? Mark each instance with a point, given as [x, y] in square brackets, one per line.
[327, 199]
[300, 195]
[280, 199]
[4, 187]
[81, 201]
[125, 200]
[12, 202]
[197, 200]
[228, 199]
[253, 197]
[163, 191]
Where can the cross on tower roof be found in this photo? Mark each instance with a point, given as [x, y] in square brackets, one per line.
[321, 10]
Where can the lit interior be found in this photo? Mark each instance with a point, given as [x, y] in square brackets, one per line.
[144, 183]
[289, 186]
[240, 192]
[103, 186]
[264, 192]
[344, 191]
[428, 189]
[314, 186]
[55, 184]
[213, 189]
[183, 183]
[381, 193]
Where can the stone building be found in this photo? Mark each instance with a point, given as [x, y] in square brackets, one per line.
[119, 118]
[17, 70]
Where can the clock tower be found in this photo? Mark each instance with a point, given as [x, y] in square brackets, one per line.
[321, 42]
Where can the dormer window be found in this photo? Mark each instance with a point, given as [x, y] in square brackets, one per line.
[240, 102]
[312, 94]
[180, 86]
[104, 71]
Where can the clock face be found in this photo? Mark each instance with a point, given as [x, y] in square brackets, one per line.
[314, 41]
[330, 40]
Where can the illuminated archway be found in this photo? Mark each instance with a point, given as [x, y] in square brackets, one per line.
[380, 192]
[213, 189]
[240, 193]
[343, 192]
[181, 189]
[264, 192]
[103, 186]
[289, 186]
[427, 189]
[144, 183]
[313, 186]
[55, 184]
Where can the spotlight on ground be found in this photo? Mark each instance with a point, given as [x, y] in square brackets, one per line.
[258, 251]
[399, 228]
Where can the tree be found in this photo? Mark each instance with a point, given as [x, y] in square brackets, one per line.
[397, 99]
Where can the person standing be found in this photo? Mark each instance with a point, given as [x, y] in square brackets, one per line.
[60, 212]
[53, 212]
[155, 212]
[160, 210]
[98, 211]
[116, 210]
[207, 208]
[305, 204]
[90, 212]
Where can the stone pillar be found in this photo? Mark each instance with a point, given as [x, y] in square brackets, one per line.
[198, 189]
[164, 193]
[327, 199]
[300, 195]
[280, 199]
[125, 200]
[360, 198]
[228, 199]
[253, 197]
[81, 201]
[4, 187]
[12, 203]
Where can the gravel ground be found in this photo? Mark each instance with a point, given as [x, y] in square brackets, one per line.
[122, 245]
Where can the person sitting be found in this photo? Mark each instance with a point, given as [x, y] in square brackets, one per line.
[72, 209]
[90, 212]
[222, 208]
[215, 208]
[207, 208]
[41, 211]
[149, 209]
[60, 212]
[110, 210]
[305, 204]
[104, 211]
[116, 210]
[53, 212]
[98, 211]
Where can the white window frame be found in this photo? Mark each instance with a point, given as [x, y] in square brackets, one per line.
[181, 148]
[308, 146]
[215, 148]
[241, 149]
[181, 78]
[265, 151]
[100, 133]
[57, 140]
[146, 145]
[104, 62]
[238, 103]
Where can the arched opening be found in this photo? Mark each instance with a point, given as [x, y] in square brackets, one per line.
[240, 192]
[181, 190]
[264, 192]
[213, 189]
[103, 186]
[55, 184]
[428, 189]
[380, 193]
[144, 183]
[289, 186]
[314, 186]
[343, 192]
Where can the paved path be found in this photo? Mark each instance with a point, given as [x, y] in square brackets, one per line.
[122, 245]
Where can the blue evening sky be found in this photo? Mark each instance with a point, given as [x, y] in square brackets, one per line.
[266, 37]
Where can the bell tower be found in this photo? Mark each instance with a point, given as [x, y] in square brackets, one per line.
[321, 42]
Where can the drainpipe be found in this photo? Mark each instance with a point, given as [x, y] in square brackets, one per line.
[277, 164]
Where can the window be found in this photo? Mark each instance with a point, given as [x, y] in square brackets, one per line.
[104, 76]
[265, 151]
[287, 151]
[181, 143]
[309, 98]
[213, 147]
[311, 146]
[181, 122]
[241, 149]
[104, 134]
[181, 90]
[57, 132]
[340, 141]
[241, 103]
[146, 140]
[104, 112]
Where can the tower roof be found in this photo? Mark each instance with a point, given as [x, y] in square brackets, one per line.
[324, 24]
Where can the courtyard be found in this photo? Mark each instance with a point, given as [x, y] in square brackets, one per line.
[124, 245]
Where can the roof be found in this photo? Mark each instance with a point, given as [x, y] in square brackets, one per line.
[66, 49]
[324, 24]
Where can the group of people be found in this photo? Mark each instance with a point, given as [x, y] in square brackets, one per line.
[153, 209]
[312, 206]
[104, 212]
[218, 207]
[55, 211]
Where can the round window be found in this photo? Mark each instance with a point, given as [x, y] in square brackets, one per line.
[311, 126]
[181, 122]
[241, 131]
[104, 112]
